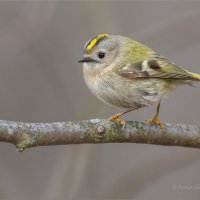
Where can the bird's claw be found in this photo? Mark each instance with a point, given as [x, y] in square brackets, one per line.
[117, 119]
[155, 120]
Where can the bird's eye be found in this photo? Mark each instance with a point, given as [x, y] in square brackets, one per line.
[101, 55]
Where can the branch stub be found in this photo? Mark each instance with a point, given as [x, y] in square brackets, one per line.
[101, 130]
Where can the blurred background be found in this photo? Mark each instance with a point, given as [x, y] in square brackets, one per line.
[41, 81]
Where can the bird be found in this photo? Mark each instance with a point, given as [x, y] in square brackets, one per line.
[127, 74]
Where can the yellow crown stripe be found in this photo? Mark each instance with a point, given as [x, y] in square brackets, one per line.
[95, 41]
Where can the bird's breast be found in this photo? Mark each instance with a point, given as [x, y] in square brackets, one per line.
[116, 90]
[97, 81]
[108, 87]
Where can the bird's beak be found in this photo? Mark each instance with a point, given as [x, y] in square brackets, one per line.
[86, 59]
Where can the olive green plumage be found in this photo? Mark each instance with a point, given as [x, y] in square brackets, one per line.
[128, 74]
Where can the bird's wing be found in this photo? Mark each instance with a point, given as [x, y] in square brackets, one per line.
[155, 67]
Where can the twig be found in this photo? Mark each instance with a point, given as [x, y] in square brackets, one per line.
[26, 135]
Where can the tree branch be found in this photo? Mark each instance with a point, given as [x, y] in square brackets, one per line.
[26, 135]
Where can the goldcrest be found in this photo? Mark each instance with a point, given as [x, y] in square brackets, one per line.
[125, 73]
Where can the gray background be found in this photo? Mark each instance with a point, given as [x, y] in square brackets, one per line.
[41, 81]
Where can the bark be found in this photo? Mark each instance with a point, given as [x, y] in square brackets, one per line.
[26, 135]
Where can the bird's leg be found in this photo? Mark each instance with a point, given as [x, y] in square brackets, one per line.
[155, 119]
[117, 116]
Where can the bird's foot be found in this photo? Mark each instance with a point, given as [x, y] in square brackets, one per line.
[117, 119]
[155, 120]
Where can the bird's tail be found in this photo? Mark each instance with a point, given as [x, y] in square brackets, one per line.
[194, 76]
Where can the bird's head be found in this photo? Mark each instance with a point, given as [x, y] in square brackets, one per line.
[101, 51]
